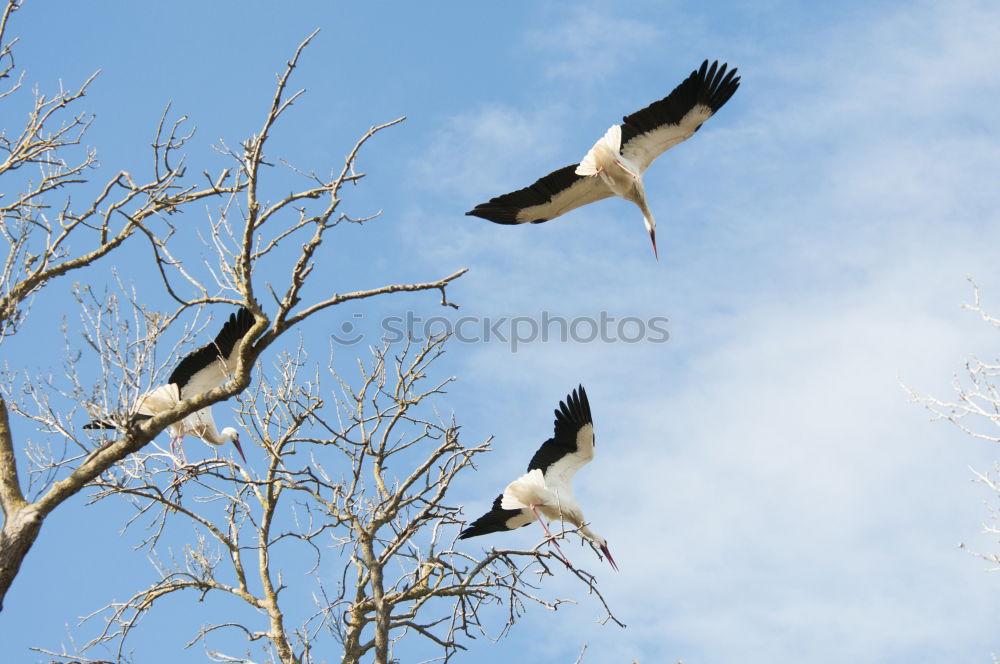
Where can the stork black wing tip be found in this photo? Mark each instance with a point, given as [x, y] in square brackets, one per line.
[575, 410]
[493, 521]
[495, 213]
[579, 394]
[108, 424]
[243, 317]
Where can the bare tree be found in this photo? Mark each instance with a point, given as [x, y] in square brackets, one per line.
[50, 235]
[976, 411]
[356, 480]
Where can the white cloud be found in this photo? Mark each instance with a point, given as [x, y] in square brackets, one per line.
[776, 494]
[489, 149]
[592, 44]
[766, 488]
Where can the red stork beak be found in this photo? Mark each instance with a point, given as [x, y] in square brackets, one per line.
[652, 236]
[236, 442]
[607, 554]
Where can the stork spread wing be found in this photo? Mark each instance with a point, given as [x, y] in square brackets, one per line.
[212, 364]
[572, 445]
[555, 194]
[648, 133]
[497, 519]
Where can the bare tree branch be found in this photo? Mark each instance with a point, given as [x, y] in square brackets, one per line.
[49, 239]
[381, 519]
[975, 410]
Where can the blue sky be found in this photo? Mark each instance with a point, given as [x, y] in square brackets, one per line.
[767, 490]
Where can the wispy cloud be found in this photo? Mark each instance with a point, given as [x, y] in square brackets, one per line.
[773, 494]
[489, 148]
[591, 44]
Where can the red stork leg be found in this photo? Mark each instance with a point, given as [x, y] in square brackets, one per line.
[552, 539]
[176, 442]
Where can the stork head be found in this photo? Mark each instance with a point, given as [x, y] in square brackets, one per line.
[232, 434]
[601, 543]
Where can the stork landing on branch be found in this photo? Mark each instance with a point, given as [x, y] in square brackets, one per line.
[547, 488]
[616, 163]
[200, 371]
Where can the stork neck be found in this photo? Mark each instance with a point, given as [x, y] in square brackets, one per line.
[591, 535]
[202, 425]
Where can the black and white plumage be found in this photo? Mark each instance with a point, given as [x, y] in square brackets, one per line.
[199, 371]
[616, 163]
[547, 487]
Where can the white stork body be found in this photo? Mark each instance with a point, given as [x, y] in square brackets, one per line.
[199, 371]
[547, 488]
[200, 424]
[617, 162]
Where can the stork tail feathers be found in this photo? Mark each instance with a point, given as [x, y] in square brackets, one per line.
[529, 489]
[604, 153]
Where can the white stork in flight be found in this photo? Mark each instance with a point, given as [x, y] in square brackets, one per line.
[199, 371]
[616, 163]
[547, 488]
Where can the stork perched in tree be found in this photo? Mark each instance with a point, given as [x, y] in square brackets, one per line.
[199, 371]
[547, 488]
[616, 163]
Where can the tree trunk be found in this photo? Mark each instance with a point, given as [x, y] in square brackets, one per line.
[20, 528]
